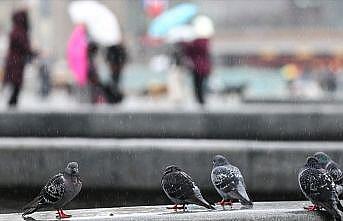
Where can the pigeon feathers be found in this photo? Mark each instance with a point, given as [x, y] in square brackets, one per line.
[57, 192]
[332, 168]
[181, 189]
[229, 182]
[318, 186]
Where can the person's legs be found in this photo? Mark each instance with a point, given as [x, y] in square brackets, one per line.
[199, 87]
[115, 73]
[14, 96]
[113, 89]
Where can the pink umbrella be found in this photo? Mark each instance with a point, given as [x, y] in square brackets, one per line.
[77, 54]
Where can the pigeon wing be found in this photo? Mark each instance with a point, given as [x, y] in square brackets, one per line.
[54, 190]
[335, 172]
[224, 179]
[320, 189]
[316, 185]
[178, 185]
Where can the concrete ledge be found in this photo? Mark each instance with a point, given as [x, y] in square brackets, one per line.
[138, 163]
[272, 211]
[266, 122]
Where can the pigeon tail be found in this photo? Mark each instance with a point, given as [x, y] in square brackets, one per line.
[204, 204]
[243, 196]
[32, 206]
[245, 202]
[199, 200]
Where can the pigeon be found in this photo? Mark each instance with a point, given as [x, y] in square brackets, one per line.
[58, 191]
[229, 182]
[317, 186]
[181, 189]
[333, 169]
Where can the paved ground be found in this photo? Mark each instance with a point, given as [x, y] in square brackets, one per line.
[60, 100]
[261, 211]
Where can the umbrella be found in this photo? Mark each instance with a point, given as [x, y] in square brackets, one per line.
[171, 18]
[102, 24]
[77, 54]
[203, 26]
[181, 33]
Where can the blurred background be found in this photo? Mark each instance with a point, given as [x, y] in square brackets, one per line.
[258, 80]
[293, 45]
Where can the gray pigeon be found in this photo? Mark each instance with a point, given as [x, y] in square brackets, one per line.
[318, 186]
[333, 169]
[181, 189]
[59, 190]
[229, 182]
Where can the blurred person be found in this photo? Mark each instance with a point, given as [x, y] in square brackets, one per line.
[97, 87]
[44, 71]
[199, 62]
[116, 56]
[307, 84]
[331, 81]
[291, 73]
[18, 55]
[175, 75]
[92, 50]
[328, 80]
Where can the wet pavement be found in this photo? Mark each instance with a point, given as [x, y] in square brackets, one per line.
[291, 210]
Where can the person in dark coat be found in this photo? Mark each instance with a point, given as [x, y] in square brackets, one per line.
[197, 52]
[19, 53]
[97, 87]
[116, 56]
[92, 50]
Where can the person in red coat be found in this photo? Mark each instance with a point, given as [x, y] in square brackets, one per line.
[19, 53]
[199, 61]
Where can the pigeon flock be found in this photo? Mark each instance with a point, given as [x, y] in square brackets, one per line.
[226, 178]
[320, 180]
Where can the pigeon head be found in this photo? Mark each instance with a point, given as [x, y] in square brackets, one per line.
[322, 158]
[171, 169]
[72, 168]
[219, 160]
[312, 162]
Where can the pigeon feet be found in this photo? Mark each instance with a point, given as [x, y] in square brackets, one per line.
[225, 202]
[312, 208]
[176, 207]
[62, 215]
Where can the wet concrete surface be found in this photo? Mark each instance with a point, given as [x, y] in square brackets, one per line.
[252, 122]
[137, 164]
[288, 210]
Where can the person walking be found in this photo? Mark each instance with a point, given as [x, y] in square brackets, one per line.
[18, 55]
[197, 52]
[116, 56]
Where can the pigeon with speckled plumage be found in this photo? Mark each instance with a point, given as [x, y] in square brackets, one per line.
[181, 189]
[333, 169]
[317, 186]
[229, 182]
[58, 191]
